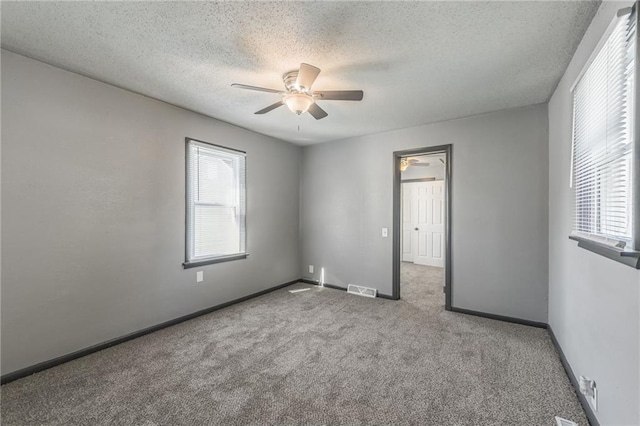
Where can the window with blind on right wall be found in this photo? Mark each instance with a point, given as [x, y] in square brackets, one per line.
[605, 157]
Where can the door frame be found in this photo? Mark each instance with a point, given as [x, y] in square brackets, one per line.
[397, 220]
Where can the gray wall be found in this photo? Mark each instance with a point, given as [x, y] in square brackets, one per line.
[93, 213]
[593, 301]
[500, 199]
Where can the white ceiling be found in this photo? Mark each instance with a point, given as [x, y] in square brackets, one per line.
[417, 62]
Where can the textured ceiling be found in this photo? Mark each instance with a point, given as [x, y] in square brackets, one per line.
[417, 62]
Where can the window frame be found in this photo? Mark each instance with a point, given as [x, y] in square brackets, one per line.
[188, 263]
[628, 256]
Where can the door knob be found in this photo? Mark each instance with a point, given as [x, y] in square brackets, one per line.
[416, 229]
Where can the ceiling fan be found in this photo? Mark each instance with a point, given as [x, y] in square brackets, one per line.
[298, 95]
[405, 163]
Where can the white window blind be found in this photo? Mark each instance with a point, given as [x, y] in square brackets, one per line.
[603, 138]
[216, 202]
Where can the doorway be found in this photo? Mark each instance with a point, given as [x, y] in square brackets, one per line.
[422, 230]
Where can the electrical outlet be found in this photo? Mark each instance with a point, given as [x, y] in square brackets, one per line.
[311, 269]
[385, 232]
[199, 276]
[590, 391]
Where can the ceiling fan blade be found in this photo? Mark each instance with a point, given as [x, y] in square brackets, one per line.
[259, 89]
[270, 108]
[307, 74]
[339, 95]
[317, 112]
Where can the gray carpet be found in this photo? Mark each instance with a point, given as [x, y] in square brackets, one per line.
[316, 357]
[422, 286]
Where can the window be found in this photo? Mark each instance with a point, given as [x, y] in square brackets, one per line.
[216, 203]
[603, 140]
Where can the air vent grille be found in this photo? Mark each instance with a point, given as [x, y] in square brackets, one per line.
[564, 422]
[362, 291]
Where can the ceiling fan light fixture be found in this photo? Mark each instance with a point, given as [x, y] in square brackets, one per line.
[298, 95]
[298, 102]
[404, 163]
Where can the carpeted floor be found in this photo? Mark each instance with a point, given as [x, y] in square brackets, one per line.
[422, 286]
[315, 357]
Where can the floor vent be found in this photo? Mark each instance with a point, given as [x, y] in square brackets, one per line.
[298, 290]
[362, 291]
[564, 422]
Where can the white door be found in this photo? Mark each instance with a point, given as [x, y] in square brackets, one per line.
[428, 248]
[408, 223]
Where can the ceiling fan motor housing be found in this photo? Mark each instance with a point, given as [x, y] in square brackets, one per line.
[290, 78]
[298, 99]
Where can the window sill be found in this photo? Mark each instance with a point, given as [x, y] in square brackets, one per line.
[211, 261]
[626, 256]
